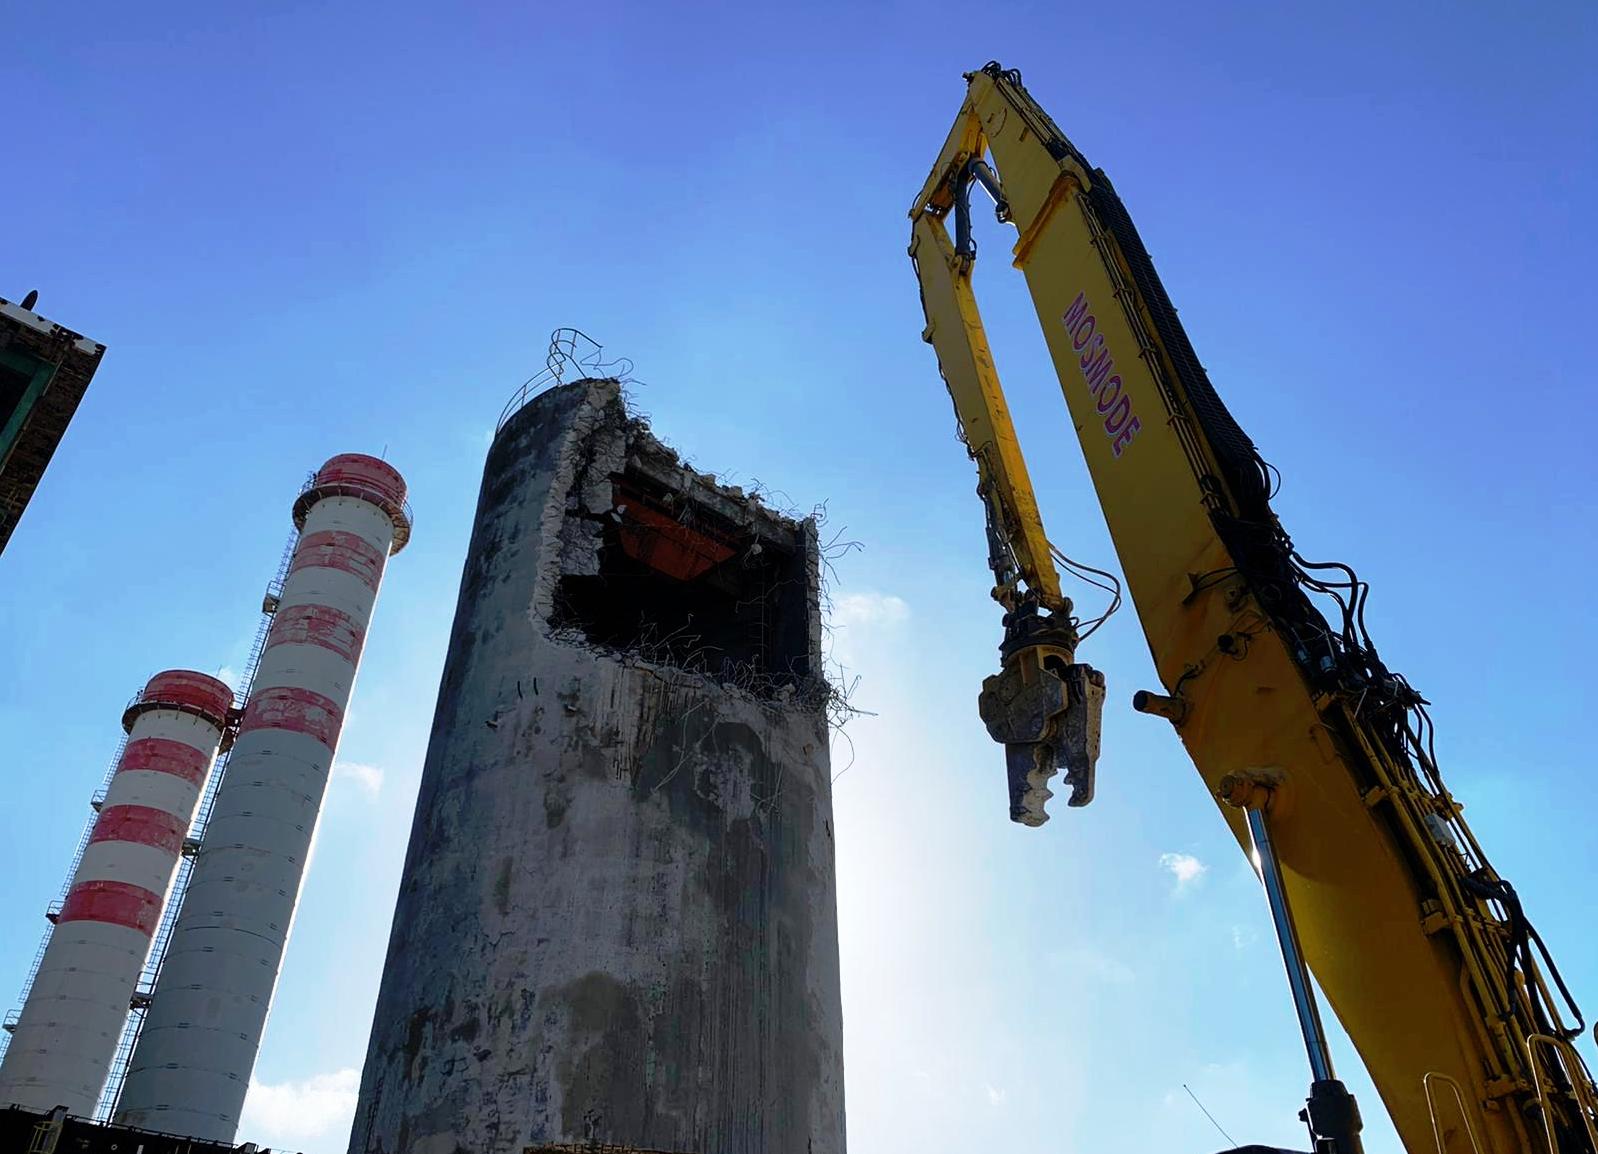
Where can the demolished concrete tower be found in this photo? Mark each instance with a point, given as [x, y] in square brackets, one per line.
[617, 920]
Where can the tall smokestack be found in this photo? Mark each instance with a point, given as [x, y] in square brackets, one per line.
[191, 1066]
[618, 924]
[66, 1037]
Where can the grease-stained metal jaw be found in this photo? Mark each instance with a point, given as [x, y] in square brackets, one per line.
[1046, 710]
[1048, 717]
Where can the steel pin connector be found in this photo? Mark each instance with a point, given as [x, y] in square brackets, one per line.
[1173, 709]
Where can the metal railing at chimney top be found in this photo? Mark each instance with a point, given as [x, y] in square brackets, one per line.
[573, 355]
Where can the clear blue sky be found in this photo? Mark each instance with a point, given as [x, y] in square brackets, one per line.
[303, 229]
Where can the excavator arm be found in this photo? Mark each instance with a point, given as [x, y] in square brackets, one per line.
[1289, 715]
[1043, 706]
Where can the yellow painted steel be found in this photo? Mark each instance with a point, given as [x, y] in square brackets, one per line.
[984, 417]
[1415, 967]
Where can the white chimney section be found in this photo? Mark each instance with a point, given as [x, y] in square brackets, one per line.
[191, 1067]
[66, 1038]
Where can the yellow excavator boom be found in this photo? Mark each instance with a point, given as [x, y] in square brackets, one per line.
[1267, 671]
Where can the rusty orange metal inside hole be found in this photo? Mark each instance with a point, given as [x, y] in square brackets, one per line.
[665, 544]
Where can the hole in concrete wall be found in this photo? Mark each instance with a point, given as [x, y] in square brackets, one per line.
[681, 584]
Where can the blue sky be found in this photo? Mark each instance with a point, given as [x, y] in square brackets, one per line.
[303, 230]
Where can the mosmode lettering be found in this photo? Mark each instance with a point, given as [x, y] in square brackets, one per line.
[1098, 373]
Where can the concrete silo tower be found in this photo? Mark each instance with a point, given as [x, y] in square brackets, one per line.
[618, 921]
[66, 1038]
[191, 1066]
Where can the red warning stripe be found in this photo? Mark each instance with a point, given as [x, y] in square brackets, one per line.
[322, 625]
[163, 755]
[185, 687]
[337, 549]
[294, 709]
[140, 824]
[356, 469]
[119, 903]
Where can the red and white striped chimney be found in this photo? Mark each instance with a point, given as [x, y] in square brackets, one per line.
[66, 1038]
[191, 1067]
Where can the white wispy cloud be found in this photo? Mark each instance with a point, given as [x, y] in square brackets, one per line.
[1243, 937]
[368, 777]
[869, 609]
[855, 617]
[996, 1096]
[1185, 868]
[320, 1107]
